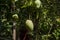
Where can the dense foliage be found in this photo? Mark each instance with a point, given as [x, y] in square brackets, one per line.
[43, 13]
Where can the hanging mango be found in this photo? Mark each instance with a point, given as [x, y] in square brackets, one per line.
[38, 3]
[30, 25]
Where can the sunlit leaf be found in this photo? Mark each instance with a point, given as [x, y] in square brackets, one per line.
[58, 20]
[15, 16]
[27, 3]
[4, 20]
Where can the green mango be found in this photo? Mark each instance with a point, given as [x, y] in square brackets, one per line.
[38, 3]
[30, 25]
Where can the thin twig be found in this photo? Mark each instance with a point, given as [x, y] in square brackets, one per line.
[24, 37]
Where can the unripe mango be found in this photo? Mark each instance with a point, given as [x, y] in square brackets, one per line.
[30, 25]
[38, 3]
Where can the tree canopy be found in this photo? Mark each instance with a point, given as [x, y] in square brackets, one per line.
[44, 14]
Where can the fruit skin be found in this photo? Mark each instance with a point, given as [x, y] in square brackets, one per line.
[30, 25]
[38, 3]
